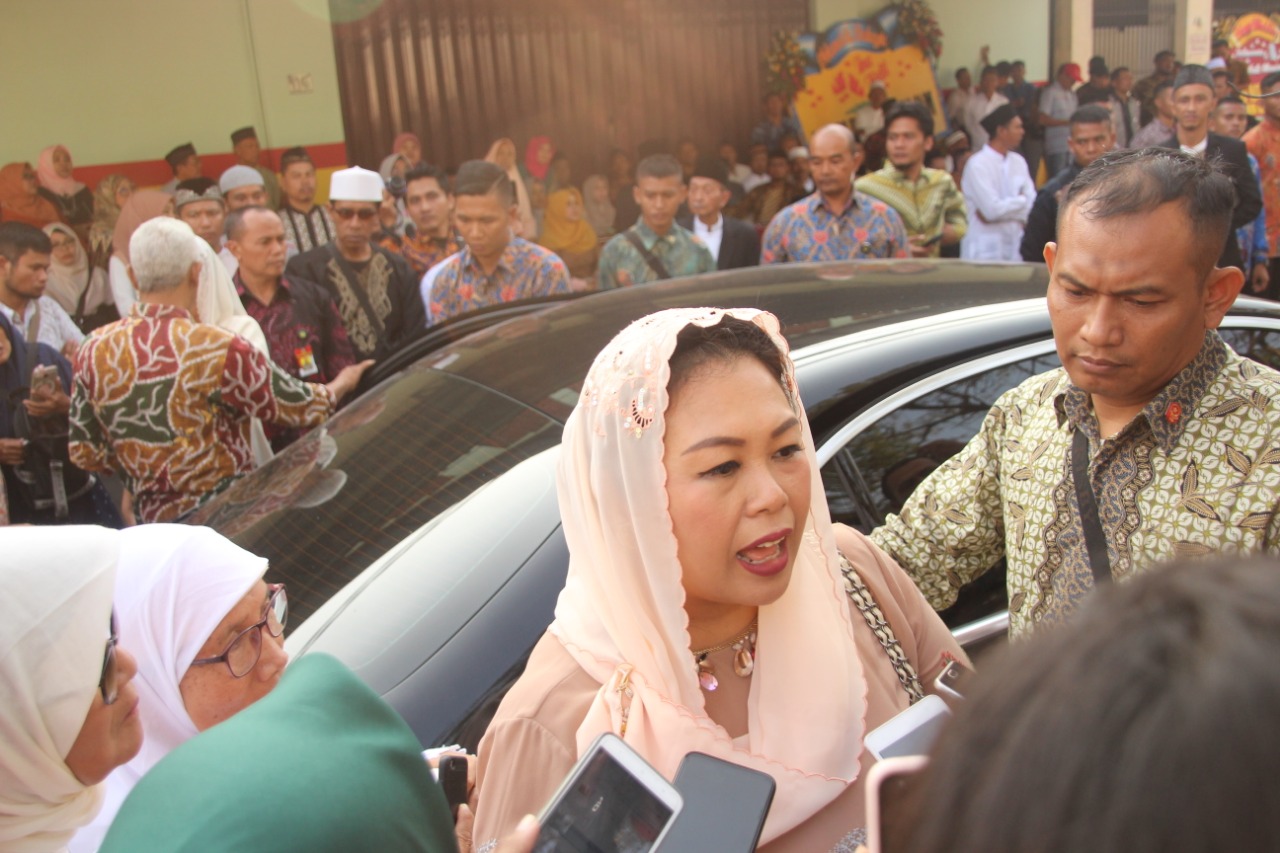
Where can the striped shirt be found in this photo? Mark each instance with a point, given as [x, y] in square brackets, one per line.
[925, 204]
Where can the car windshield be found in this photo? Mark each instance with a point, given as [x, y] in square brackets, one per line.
[463, 414]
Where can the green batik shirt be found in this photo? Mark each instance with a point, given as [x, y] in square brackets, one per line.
[925, 204]
[1196, 473]
[622, 265]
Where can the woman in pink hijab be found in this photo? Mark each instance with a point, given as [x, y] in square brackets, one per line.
[73, 199]
[711, 605]
[408, 145]
[138, 208]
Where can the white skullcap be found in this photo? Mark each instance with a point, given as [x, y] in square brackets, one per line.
[239, 176]
[877, 84]
[798, 153]
[1216, 62]
[356, 184]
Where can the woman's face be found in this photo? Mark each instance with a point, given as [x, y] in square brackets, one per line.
[506, 155]
[411, 150]
[210, 692]
[537, 194]
[545, 152]
[599, 192]
[400, 166]
[737, 488]
[573, 209]
[62, 162]
[111, 734]
[123, 192]
[6, 348]
[621, 164]
[30, 182]
[64, 248]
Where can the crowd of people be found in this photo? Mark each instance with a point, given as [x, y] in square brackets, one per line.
[179, 336]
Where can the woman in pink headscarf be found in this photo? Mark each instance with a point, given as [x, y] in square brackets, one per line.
[711, 605]
[408, 145]
[73, 199]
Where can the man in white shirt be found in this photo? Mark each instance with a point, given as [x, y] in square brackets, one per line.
[958, 100]
[869, 118]
[732, 242]
[24, 271]
[998, 191]
[1057, 102]
[981, 104]
[758, 165]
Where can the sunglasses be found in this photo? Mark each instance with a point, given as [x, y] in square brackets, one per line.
[364, 213]
[242, 653]
[109, 682]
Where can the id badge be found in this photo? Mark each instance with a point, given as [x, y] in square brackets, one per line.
[306, 360]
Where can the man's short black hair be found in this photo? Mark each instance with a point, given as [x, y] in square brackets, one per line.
[1017, 63]
[960, 71]
[1091, 114]
[912, 110]
[1003, 68]
[233, 227]
[1270, 80]
[988, 69]
[1160, 87]
[480, 177]
[1230, 99]
[660, 166]
[1220, 72]
[426, 170]
[778, 154]
[1165, 53]
[18, 238]
[1131, 182]
[1119, 69]
[1217, 43]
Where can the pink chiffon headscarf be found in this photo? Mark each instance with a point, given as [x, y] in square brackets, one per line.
[49, 177]
[621, 614]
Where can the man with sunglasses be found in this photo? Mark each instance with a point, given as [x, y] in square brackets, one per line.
[375, 291]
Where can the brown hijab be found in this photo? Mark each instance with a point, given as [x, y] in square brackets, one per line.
[20, 201]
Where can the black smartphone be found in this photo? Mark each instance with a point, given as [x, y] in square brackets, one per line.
[953, 681]
[936, 238]
[725, 806]
[453, 779]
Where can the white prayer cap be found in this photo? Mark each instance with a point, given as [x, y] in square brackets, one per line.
[356, 184]
[1216, 62]
[239, 176]
[877, 84]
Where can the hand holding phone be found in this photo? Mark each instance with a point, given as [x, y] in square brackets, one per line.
[453, 779]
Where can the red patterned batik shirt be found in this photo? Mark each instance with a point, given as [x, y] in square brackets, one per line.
[167, 402]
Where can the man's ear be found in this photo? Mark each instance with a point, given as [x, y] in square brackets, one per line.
[1220, 292]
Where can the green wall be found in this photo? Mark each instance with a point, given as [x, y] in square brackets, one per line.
[126, 80]
[1015, 29]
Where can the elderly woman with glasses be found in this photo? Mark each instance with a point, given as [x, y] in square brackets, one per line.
[208, 634]
[68, 701]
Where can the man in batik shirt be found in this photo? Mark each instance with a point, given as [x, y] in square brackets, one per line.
[495, 266]
[836, 223]
[656, 247]
[928, 200]
[375, 291]
[305, 335]
[166, 400]
[429, 237]
[1177, 437]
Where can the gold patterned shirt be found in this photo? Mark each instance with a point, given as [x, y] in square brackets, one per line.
[925, 204]
[1196, 473]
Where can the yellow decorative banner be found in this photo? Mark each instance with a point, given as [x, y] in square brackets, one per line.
[833, 95]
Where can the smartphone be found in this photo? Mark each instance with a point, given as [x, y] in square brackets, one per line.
[935, 239]
[725, 805]
[911, 732]
[44, 377]
[613, 801]
[888, 785]
[953, 681]
[452, 774]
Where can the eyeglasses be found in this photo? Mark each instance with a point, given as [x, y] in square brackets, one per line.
[364, 213]
[109, 683]
[242, 654]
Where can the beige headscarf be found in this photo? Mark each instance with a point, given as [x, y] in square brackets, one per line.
[621, 612]
[56, 586]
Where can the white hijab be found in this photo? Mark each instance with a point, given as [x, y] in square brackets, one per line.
[56, 585]
[219, 305]
[66, 283]
[175, 584]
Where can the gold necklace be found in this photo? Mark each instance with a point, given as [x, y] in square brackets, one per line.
[744, 659]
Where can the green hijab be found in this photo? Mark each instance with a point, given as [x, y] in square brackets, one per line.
[321, 763]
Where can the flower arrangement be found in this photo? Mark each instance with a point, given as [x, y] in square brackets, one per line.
[784, 65]
[918, 24]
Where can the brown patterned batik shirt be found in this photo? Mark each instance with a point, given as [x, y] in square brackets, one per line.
[1197, 472]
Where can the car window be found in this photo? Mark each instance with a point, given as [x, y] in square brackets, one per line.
[1261, 345]
[349, 492]
[874, 473]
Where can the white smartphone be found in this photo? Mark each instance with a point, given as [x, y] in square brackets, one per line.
[911, 732]
[887, 783]
[613, 801]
